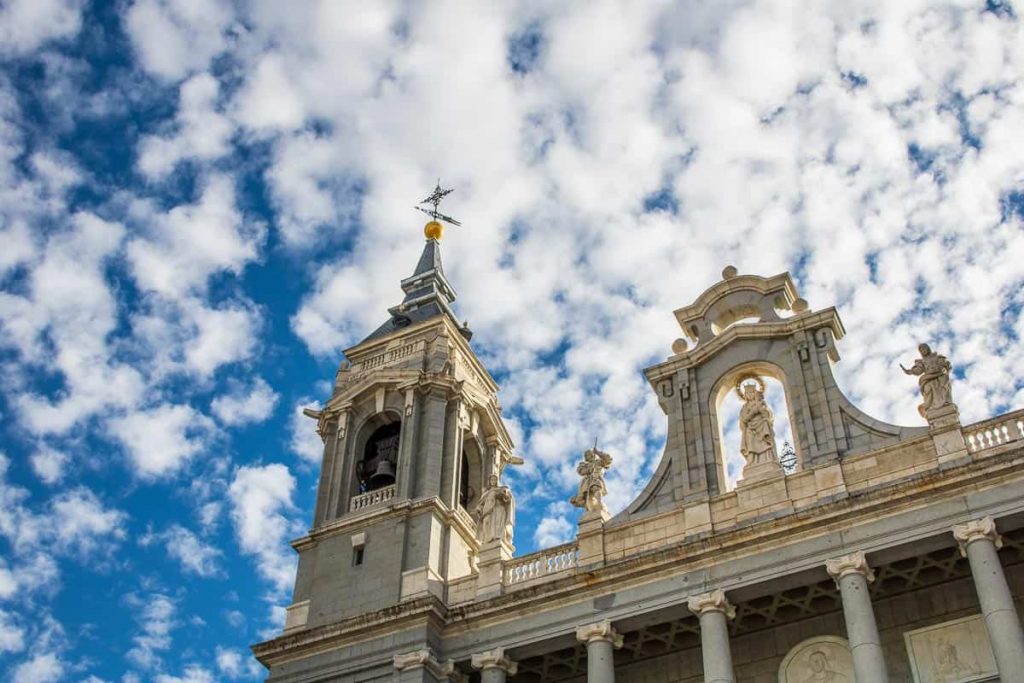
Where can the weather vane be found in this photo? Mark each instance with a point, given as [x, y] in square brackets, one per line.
[434, 200]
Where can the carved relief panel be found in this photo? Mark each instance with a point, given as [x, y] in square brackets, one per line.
[955, 651]
[822, 659]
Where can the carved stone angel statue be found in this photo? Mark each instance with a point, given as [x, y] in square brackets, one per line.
[757, 423]
[592, 489]
[495, 512]
[932, 370]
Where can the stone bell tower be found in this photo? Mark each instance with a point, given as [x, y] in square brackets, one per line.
[412, 438]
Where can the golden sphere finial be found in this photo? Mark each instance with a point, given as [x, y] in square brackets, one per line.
[433, 230]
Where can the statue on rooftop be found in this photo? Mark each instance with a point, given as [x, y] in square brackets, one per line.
[932, 370]
[757, 423]
[592, 490]
[495, 512]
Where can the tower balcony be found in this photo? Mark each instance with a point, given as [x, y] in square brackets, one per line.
[372, 499]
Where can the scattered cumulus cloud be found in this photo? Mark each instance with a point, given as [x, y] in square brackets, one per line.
[261, 497]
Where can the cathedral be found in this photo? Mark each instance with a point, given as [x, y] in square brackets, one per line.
[866, 552]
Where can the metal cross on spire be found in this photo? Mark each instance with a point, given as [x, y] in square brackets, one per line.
[434, 200]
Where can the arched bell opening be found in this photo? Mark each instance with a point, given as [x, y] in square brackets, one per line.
[738, 387]
[470, 464]
[377, 453]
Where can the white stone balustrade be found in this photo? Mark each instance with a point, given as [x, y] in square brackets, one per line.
[541, 564]
[996, 432]
[372, 498]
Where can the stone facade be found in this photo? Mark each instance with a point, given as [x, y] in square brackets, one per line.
[890, 554]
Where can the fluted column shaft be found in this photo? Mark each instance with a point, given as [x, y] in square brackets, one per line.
[979, 542]
[602, 640]
[852, 574]
[714, 612]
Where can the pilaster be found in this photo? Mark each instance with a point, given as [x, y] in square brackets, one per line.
[590, 538]
[491, 568]
[947, 436]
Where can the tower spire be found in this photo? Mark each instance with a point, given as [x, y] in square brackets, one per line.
[427, 291]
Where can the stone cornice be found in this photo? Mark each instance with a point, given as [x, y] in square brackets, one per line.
[714, 601]
[976, 530]
[292, 646]
[602, 630]
[854, 563]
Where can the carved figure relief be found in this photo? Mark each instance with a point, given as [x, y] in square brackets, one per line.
[822, 659]
[592, 489]
[495, 512]
[956, 651]
[932, 370]
[757, 423]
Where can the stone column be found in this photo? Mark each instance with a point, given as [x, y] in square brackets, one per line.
[494, 666]
[852, 574]
[979, 542]
[602, 641]
[714, 612]
[420, 666]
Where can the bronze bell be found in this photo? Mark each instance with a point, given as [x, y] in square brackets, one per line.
[384, 476]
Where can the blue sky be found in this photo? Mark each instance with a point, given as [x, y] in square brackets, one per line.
[202, 203]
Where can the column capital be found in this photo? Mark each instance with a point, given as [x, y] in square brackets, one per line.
[713, 601]
[602, 630]
[854, 563]
[424, 659]
[976, 530]
[494, 659]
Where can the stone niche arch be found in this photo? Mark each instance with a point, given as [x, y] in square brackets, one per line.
[373, 430]
[471, 471]
[751, 322]
[720, 392]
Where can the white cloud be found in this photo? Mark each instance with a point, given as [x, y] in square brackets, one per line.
[63, 323]
[161, 441]
[305, 442]
[49, 464]
[193, 674]
[81, 523]
[233, 664]
[12, 635]
[42, 668]
[261, 495]
[27, 24]
[189, 243]
[176, 37]
[246, 405]
[156, 615]
[552, 531]
[195, 556]
[201, 133]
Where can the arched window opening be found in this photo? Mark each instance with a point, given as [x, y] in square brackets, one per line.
[376, 469]
[729, 411]
[464, 487]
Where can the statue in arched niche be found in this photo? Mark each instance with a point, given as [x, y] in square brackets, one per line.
[932, 370]
[495, 512]
[757, 423]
